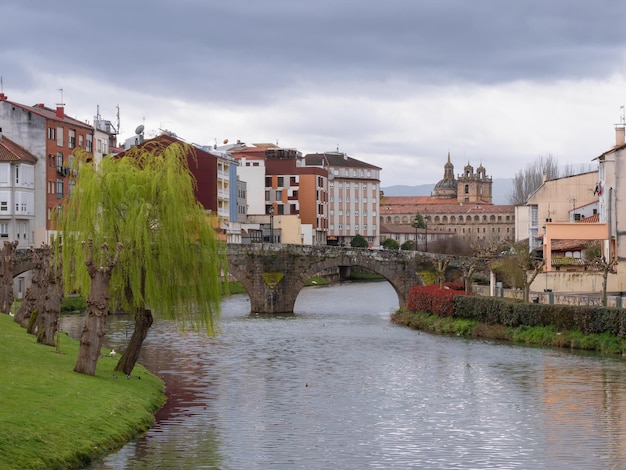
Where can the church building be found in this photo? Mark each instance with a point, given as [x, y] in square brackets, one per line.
[472, 187]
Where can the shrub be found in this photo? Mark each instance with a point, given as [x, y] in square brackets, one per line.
[432, 299]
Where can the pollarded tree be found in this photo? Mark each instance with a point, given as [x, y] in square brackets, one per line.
[8, 257]
[170, 262]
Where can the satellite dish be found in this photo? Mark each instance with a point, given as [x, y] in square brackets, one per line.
[139, 129]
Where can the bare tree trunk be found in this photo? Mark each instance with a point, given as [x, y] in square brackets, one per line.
[7, 271]
[528, 281]
[441, 266]
[97, 308]
[28, 307]
[143, 322]
[50, 305]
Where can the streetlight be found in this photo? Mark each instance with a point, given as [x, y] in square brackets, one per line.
[416, 223]
[271, 211]
[426, 233]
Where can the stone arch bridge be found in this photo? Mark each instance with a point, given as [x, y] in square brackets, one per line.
[274, 274]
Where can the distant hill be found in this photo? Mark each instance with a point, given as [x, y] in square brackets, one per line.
[501, 189]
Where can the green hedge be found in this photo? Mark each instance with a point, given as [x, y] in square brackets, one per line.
[586, 319]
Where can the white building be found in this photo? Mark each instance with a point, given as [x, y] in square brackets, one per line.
[17, 193]
[353, 197]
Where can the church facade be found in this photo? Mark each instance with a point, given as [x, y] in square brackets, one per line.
[470, 186]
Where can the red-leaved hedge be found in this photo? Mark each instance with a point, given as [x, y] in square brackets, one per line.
[433, 299]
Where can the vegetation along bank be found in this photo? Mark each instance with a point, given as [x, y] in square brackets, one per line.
[449, 311]
[54, 418]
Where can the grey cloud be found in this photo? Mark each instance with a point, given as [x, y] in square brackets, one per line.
[248, 50]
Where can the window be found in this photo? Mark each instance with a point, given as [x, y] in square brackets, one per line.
[89, 146]
[52, 133]
[268, 181]
[71, 141]
[4, 206]
[279, 194]
[4, 230]
[281, 181]
[59, 162]
[267, 195]
[467, 189]
[60, 136]
[60, 188]
[17, 174]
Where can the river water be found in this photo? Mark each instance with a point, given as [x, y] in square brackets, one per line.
[338, 386]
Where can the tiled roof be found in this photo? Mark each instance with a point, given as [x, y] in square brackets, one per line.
[565, 245]
[48, 113]
[11, 152]
[336, 159]
[592, 219]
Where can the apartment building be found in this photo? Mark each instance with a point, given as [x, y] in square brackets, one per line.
[279, 187]
[17, 193]
[52, 137]
[353, 197]
[562, 200]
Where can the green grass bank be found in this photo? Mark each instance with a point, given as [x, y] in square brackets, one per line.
[529, 335]
[54, 418]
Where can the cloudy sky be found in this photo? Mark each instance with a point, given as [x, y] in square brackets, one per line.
[395, 83]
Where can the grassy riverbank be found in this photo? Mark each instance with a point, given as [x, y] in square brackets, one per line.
[539, 335]
[54, 418]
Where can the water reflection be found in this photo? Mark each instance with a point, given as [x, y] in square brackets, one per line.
[338, 386]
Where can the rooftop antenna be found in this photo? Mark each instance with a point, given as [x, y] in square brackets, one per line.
[118, 119]
[61, 103]
[622, 119]
[1, 85]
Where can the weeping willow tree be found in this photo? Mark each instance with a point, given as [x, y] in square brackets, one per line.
[170, 261]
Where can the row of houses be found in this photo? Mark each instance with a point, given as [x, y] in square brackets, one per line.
[260, 192]
[263, 192]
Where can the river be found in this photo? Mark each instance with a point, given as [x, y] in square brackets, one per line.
[338, 386]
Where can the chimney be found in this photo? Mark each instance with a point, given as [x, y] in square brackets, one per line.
[619, 135]
[61, 111]
[0, 134]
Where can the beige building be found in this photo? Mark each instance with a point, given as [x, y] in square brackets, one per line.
[353, 193]
[558, 200]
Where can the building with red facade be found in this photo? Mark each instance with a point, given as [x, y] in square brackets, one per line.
[53, 138]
